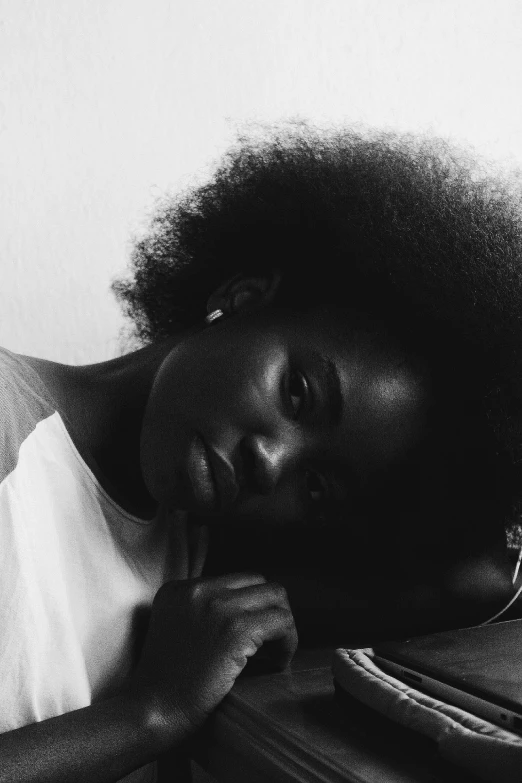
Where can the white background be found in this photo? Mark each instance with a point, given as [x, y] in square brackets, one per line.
[105, 104]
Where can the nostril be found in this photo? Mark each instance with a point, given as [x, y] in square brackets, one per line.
[264, 461]
[256, 469]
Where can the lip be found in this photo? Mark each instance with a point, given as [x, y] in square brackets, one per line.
[211, 476]
[201, 476]
[225, 479]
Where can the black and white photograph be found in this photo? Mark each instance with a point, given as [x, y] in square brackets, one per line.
[260, 391]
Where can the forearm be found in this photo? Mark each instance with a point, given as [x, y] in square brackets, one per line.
[97, 744]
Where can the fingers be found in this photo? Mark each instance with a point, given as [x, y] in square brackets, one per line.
[198, 537]
[255, 611]
[229, 582]
[242, 610]
[253, 597]
[276, 626]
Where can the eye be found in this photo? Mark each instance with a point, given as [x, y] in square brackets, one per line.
[316, 486]
[297, 390]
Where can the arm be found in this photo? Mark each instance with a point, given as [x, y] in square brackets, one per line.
[200, 636]
[97, 744]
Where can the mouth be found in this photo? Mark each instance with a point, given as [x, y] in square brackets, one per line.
[225, 479]
[212, 478]
[200, 476]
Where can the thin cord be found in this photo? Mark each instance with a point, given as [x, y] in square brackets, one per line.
[517, 567]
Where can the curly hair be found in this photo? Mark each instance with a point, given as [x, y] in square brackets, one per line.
[411, 231]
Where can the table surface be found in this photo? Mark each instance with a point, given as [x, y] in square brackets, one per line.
[292, 727]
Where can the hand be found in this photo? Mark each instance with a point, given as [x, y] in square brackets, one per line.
[201, 634]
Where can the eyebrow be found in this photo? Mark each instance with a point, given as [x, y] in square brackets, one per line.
[332, 384]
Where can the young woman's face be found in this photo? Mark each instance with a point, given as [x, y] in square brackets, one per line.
[277, 416]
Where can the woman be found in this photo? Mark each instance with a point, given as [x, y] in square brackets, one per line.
[323, 352]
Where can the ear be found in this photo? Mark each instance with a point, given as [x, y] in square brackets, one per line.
[242, 293]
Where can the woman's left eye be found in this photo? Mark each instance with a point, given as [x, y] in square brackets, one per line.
[297, 389]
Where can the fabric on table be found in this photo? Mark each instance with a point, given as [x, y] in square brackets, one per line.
[488, 751]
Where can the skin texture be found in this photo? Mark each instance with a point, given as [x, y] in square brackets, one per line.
[253, 387]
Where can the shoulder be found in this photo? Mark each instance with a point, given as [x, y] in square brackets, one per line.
[24, 402]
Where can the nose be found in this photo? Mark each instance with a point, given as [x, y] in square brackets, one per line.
[266, 459]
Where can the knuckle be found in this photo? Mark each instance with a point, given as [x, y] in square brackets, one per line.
[279, 593]
[237, 625]
[197, 590]
[285, 619]
[257, 636]
[216, 605]
[253, 577]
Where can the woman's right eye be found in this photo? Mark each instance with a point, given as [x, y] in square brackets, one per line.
[297, 389]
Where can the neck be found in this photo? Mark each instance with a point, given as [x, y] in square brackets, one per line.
[103, 406]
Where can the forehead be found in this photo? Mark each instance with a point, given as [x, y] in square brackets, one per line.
[367, 346]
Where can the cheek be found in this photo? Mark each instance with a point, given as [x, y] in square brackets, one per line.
[163, 444]
[155, 459]
[393, 422]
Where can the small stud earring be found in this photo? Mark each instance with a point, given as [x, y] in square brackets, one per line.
[213, 316]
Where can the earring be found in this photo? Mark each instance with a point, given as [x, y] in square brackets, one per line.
[213, 316]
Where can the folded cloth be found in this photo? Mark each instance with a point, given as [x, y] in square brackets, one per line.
[487, 751]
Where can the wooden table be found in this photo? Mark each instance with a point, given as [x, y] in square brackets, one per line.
[293, 728]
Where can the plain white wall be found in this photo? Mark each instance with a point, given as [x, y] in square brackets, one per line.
[104, 104]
